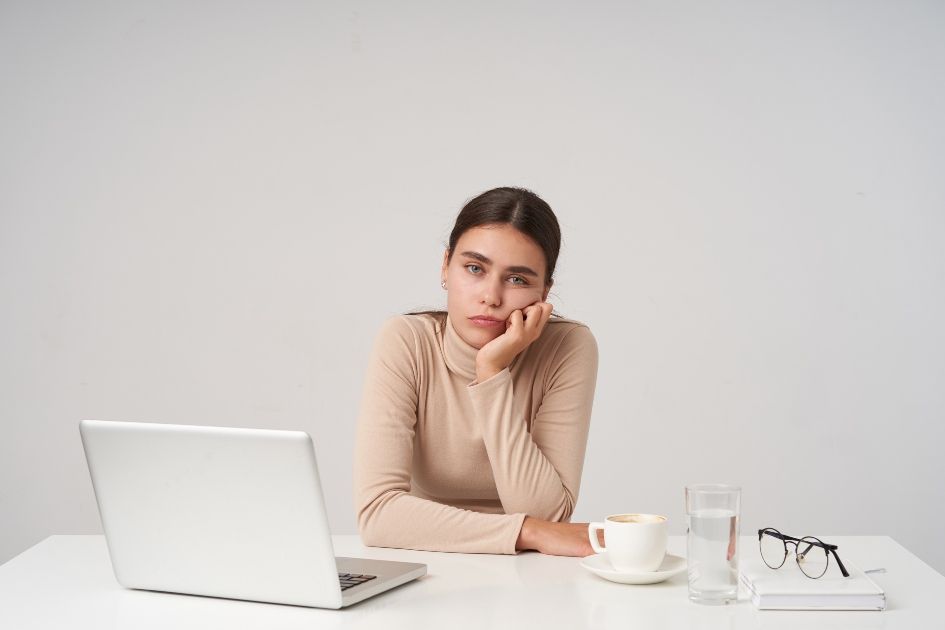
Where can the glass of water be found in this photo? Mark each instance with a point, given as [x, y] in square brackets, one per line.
[712, 542]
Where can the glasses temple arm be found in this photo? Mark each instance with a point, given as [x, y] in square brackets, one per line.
[843, 569]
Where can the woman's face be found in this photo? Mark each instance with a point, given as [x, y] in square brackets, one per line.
[495, 269]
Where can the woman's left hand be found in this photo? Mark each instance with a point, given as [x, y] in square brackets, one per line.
[521, 328]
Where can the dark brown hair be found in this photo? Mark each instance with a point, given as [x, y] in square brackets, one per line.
[519, 207]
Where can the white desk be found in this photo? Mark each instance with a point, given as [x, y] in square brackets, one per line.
[67, 582]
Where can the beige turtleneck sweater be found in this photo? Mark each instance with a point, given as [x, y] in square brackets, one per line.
[443, 464]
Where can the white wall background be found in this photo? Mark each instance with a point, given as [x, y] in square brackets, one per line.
[209, 208]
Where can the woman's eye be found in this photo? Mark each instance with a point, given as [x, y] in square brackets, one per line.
[520, 279]
[473, 268]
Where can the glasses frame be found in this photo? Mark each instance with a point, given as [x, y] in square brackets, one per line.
[799, 554]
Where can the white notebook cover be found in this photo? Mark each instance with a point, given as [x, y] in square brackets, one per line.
[788, 588]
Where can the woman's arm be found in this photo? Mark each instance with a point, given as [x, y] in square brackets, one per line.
[539, 473]
[388, 516]
[556, 539]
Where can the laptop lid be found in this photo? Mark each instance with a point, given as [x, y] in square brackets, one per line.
[225, 512]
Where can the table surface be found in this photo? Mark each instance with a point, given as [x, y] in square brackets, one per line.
[67, 582]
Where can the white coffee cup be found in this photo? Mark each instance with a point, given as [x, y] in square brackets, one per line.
[633, 542]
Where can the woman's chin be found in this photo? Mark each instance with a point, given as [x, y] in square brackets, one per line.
[478, 338]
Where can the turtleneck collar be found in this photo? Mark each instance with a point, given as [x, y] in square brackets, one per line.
[460, 356]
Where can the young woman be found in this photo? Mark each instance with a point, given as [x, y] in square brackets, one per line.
[474, 421]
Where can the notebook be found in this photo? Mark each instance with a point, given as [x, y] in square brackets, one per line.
[788, 588]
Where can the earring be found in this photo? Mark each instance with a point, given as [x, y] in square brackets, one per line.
[443, 284]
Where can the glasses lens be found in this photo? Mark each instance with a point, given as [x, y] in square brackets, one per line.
[811, 557]
[772, 549]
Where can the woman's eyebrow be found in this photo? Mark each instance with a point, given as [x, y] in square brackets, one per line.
[528, 271]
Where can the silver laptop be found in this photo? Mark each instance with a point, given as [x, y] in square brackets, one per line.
[235, 513]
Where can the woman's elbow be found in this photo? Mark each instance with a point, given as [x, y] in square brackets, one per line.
[371, 525]
[367, 524]
[369, 534]
[567, 506]
[559, 512]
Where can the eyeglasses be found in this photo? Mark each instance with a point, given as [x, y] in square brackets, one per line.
[812, 554]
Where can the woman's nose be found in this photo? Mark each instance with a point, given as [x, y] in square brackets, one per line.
[492, 293]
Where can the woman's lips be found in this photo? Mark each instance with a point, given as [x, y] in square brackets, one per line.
[486, 323]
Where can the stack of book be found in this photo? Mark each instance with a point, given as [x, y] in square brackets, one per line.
[788, 588]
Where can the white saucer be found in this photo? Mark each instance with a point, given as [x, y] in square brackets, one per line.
[599, 564]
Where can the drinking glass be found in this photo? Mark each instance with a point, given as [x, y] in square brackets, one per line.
[712, 542]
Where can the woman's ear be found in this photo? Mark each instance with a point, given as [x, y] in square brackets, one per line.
[544, 295]
[446, 264]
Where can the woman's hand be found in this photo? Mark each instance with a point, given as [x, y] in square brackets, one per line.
[521, 328]
[556, 539]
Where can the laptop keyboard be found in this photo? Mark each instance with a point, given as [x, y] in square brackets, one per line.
[353, 579]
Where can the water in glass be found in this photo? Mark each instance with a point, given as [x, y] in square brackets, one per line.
[713, 555]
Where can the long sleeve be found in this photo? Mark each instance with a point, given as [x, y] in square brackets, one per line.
[539, 473]
[388, 516]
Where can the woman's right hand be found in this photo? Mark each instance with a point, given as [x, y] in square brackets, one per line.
[556, 539]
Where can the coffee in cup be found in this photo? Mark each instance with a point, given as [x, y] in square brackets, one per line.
[633, 542]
